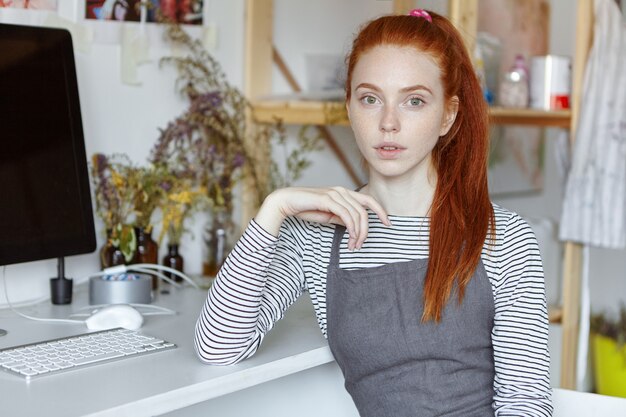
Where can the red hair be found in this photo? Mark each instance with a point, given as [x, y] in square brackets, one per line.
[461, 213]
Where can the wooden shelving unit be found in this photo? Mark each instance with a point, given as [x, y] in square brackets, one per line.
[463, 13]
[301, 112]
[334, 113]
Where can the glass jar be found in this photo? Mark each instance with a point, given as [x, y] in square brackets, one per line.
[110, 254]
[217, 238]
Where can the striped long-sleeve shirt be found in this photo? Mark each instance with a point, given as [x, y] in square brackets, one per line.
[264, 275]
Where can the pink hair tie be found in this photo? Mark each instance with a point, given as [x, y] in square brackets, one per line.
[421, 13]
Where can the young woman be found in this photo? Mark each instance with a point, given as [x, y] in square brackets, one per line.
[433, 302]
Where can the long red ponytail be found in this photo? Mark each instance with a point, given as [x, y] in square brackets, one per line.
[461, 214]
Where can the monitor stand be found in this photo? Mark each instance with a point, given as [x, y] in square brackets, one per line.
[4, 278]
[61, 287]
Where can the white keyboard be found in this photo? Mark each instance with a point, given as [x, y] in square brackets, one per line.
[54, 356]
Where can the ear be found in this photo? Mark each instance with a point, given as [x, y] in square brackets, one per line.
[449, 115]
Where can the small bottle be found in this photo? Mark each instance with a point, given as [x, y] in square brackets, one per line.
[479, 66]
[514, 85]
[216, 243]
[147, 251]
[174, 260]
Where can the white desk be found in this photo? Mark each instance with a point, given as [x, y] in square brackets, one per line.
[157, 383]
[293, 367]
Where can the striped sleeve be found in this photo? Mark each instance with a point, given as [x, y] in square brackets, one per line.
[260, 279]
[520, 333]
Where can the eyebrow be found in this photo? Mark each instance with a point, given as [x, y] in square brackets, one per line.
[402, 90]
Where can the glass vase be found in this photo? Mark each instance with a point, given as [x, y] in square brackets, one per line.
[147, 251]
[217, 238]
[174, 260]
[110, 254]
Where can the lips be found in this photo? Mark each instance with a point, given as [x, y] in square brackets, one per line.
[389, 150]
[389, 146]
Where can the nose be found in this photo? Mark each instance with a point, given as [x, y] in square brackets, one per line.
[389, 122]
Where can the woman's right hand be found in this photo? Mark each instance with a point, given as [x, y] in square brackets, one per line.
[336, 205]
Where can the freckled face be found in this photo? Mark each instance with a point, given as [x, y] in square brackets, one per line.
[397, 110]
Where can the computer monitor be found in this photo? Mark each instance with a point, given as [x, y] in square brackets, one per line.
[45, 199]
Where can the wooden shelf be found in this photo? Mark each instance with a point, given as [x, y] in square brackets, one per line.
[334, 113]
[555, 314]
[301, 112]
[554, 118]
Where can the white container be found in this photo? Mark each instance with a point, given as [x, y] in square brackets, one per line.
[137, 290]
[550, 82]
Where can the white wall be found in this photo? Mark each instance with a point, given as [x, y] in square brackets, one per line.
[123, 118]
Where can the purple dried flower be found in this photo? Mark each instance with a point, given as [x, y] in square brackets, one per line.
[238, 160]
[166, 186]
[205, 103]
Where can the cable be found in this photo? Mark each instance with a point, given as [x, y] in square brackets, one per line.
[167, 269]
[163, 310]
[6, 296]
[118, 269]
[121, 269]
[160, 311]
[158, 274]
[145, 268]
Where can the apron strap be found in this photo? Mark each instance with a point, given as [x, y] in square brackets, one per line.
[338, 235]
[334, 252]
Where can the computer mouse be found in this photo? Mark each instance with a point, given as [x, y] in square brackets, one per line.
[116, 315]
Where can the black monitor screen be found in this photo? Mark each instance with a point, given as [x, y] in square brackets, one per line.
[45, 202]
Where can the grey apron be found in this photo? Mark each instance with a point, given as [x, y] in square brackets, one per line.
[393, 364]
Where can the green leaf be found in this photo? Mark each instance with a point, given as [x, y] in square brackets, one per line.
[128, 242]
